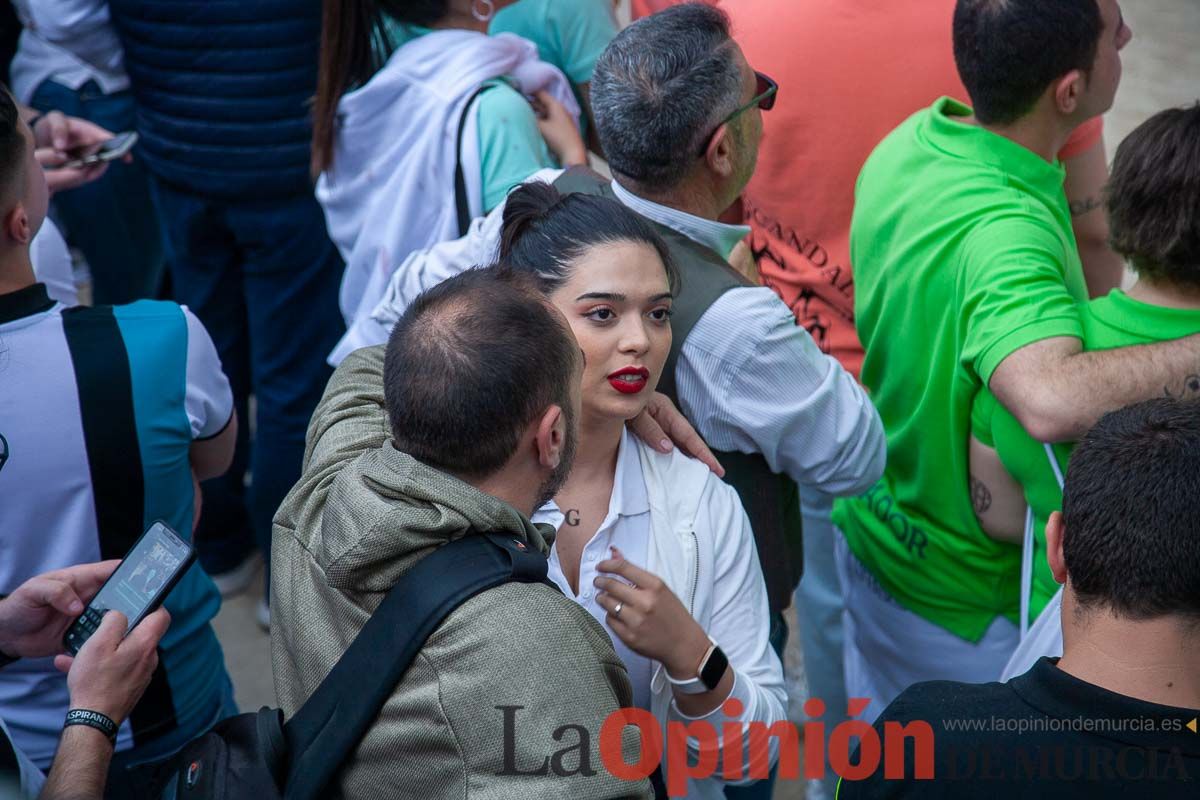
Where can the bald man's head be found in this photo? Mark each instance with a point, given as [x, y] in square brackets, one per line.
[471, 364]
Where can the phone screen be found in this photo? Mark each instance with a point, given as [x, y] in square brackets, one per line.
[120, 144]
[141, 576]
[139, 583]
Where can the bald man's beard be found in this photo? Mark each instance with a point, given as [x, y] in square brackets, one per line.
[558, 476]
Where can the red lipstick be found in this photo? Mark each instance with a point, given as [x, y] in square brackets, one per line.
[629, 380]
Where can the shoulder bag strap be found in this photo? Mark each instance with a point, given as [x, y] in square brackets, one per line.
[1027, 554]
[460, 182]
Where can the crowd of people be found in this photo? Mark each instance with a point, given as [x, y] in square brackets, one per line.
[706, 319]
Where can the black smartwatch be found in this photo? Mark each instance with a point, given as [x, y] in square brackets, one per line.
[712, 669]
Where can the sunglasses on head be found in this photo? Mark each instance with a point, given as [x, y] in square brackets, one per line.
[766, 90]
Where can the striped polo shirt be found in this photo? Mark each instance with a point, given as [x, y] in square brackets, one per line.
[99, 407]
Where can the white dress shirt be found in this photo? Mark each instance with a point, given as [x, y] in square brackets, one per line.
[70, 42]
[748, 378]
[626, 526]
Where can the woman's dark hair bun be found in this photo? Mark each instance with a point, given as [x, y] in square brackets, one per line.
[528, 204]
[545, 230]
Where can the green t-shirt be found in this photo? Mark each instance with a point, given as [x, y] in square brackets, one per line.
[963, 253]
[1116, 320]
[511, 147]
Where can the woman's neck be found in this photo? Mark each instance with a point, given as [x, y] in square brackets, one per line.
[596, 455]
[461, 20]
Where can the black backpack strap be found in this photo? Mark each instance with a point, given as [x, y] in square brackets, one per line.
[329, 726]
[460, 181]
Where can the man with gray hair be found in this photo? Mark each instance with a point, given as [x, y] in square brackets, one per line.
[678, 111]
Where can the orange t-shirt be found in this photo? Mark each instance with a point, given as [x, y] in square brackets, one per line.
[849, 71]
[643, 8]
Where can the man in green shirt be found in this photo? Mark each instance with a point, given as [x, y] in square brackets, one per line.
[967, 275]
[1154, 216]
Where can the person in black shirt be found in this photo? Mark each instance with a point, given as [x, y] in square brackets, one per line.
[1119, 714]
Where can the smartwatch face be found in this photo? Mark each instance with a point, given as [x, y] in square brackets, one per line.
[714, 668]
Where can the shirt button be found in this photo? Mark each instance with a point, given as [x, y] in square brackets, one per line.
[587, 595]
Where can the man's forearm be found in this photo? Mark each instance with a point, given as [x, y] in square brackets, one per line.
[1058, 393]
[81, 766]
[1086, 176]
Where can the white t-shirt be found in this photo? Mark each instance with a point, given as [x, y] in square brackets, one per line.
[52, 264]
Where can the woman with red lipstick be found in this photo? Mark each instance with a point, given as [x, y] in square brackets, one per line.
[655, 546]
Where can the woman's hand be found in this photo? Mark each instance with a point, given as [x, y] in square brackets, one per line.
[660, 424]
[559, 130]
[649, 618]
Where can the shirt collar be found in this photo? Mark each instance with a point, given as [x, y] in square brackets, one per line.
[1155, 323]
[1061, 695]
[629, 496]
[26, 302]
[714, 235]
[976, 143]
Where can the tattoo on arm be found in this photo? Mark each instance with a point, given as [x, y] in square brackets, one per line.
[981, 498]
[1189, 388]
[1081, 207]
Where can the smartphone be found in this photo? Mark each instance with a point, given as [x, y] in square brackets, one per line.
[139, 584]
[108, 150]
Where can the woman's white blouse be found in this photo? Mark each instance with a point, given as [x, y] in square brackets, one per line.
[626, 527]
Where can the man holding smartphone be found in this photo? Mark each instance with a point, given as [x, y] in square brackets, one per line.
[106, 678]
[111, 412]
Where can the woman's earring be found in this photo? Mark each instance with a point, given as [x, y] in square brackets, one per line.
[483, 10]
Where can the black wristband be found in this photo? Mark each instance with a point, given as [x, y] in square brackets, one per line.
[93, 719]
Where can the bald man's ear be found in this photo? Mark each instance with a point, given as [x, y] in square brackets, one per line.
[718, 156]
[550, 437]
[1055, 528]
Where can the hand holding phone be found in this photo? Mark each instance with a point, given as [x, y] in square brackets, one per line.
[108, 150]
[139, 584]
[110, 674]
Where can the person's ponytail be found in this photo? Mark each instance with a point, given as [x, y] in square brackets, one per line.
[354, 45]
[526, 208]
[544, 231]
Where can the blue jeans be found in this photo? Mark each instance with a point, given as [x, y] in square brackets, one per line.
[113, 219]
[263, 277]
[762, 790]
